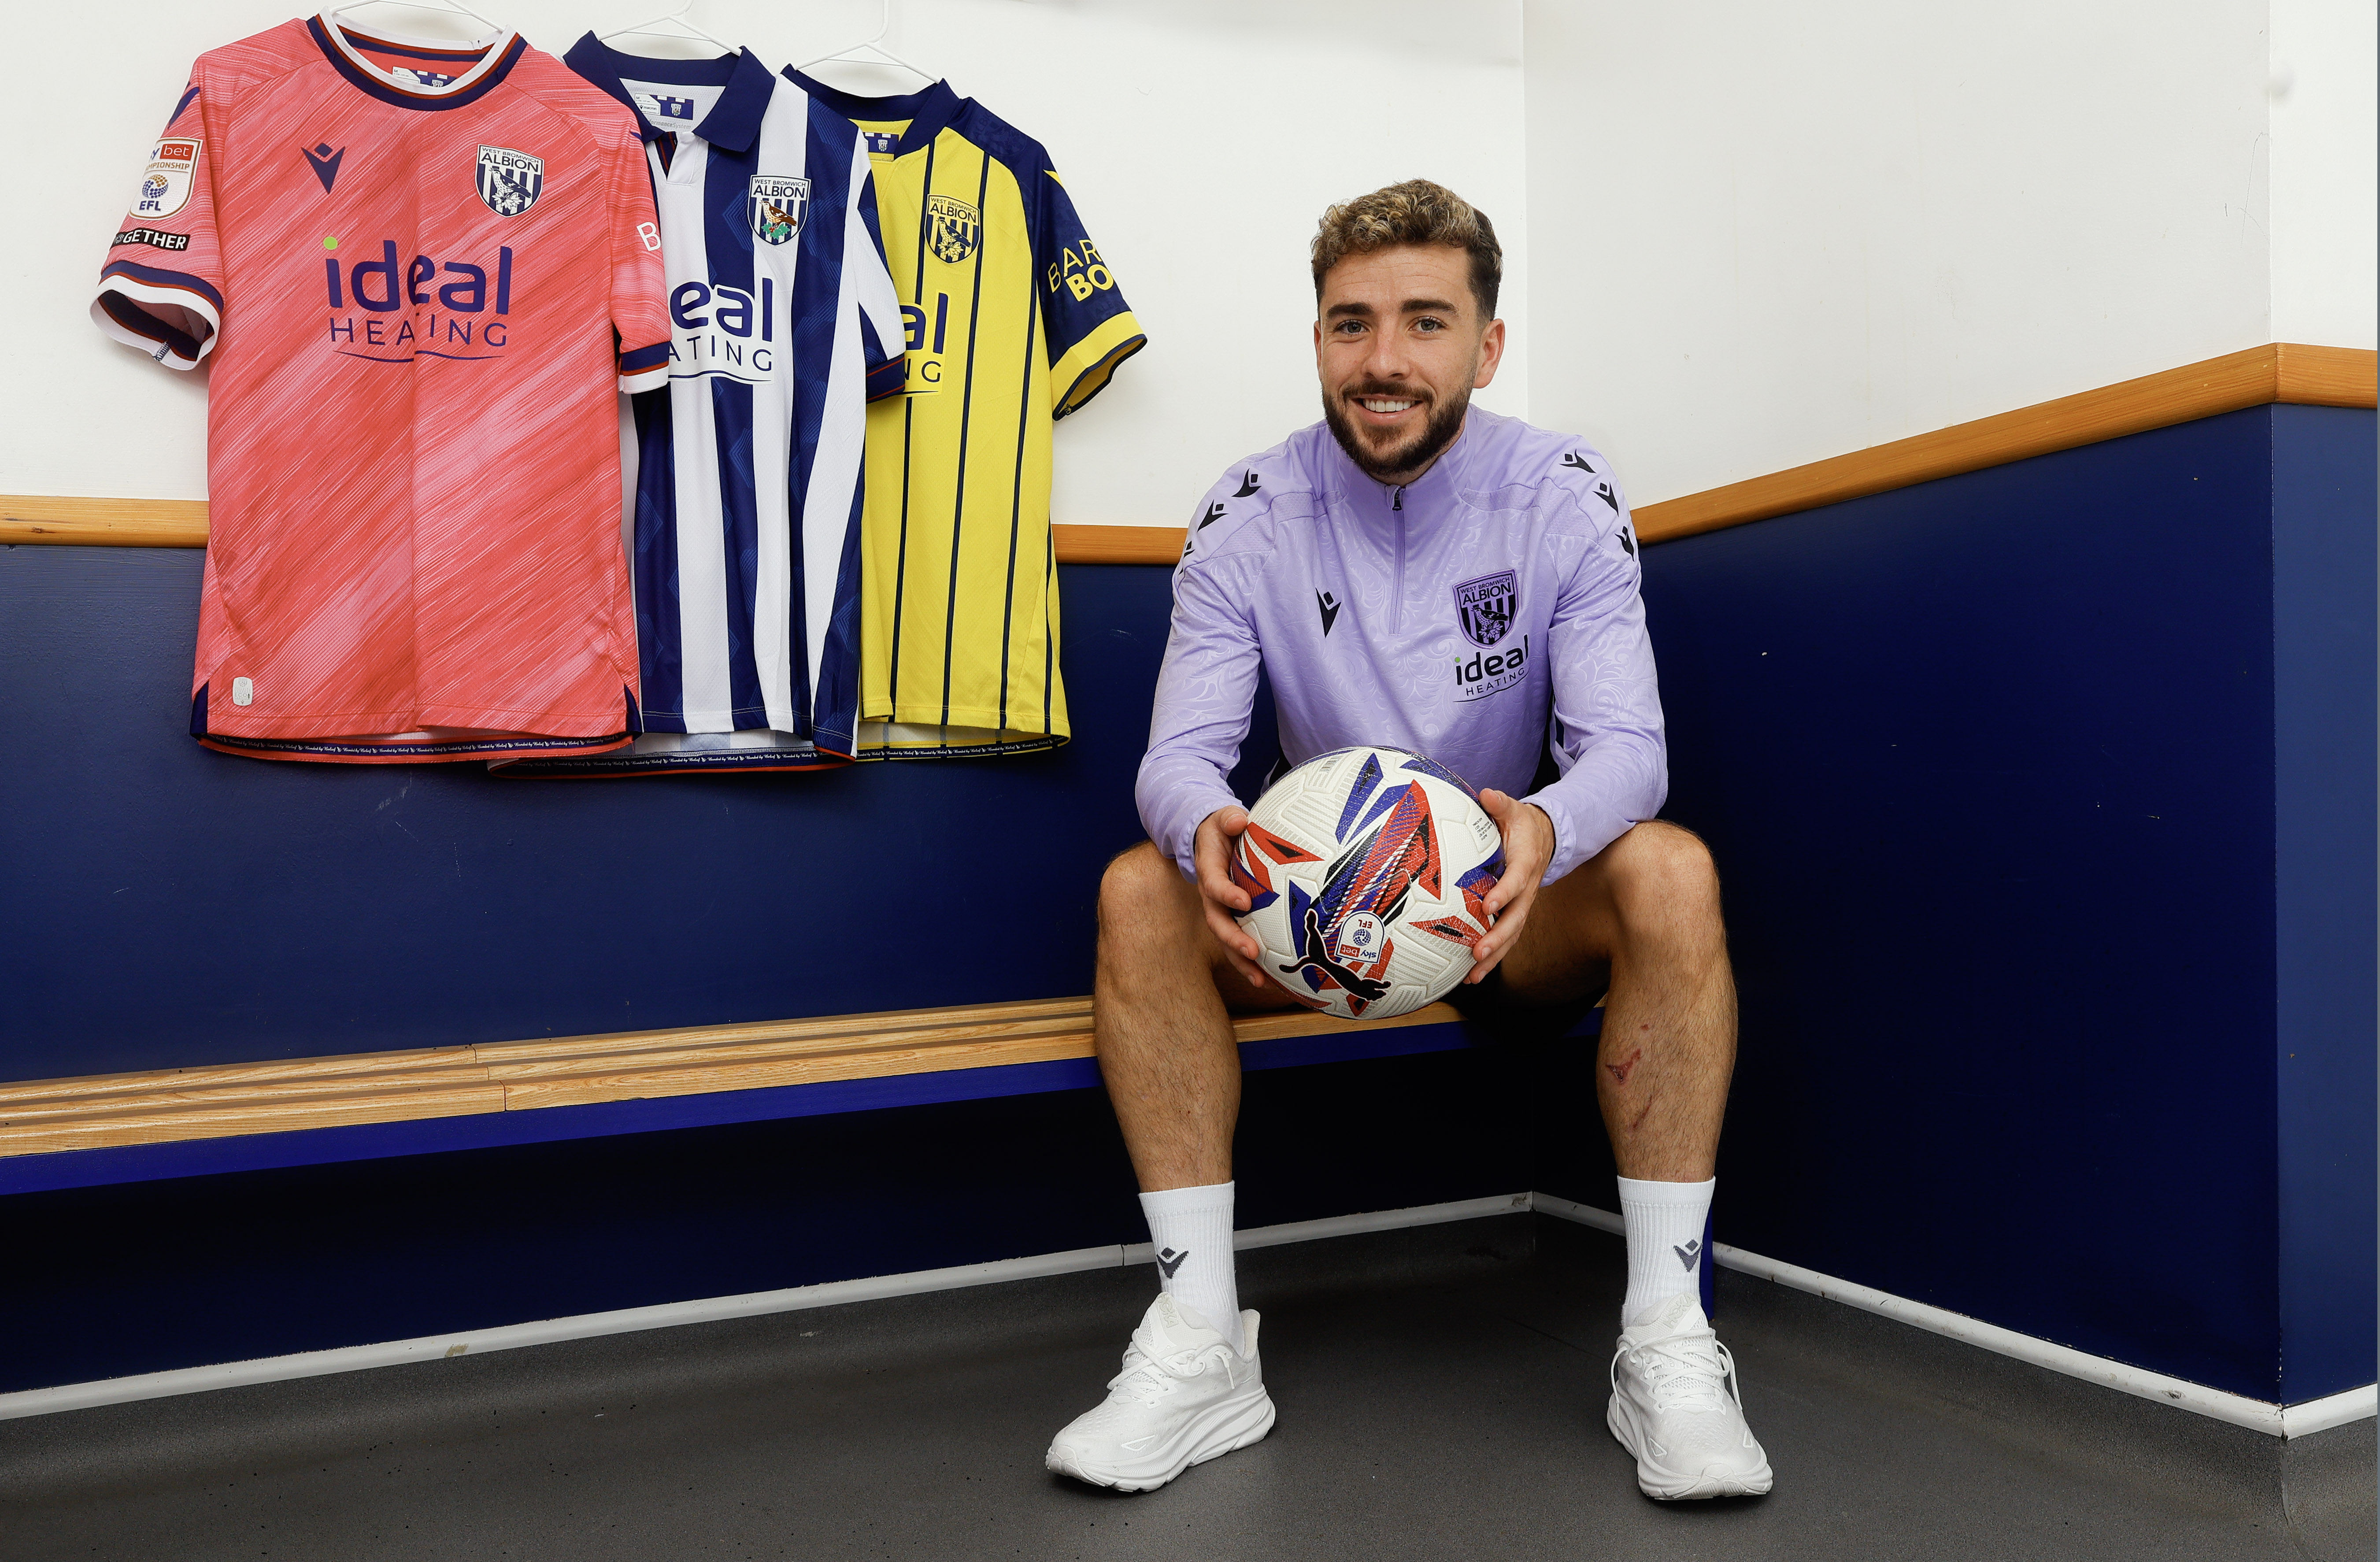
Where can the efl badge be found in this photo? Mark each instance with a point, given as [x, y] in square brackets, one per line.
[1484, 607]
[774, 207]
[953, 228]
[165, 186]
[1361, 938]
[510, 181]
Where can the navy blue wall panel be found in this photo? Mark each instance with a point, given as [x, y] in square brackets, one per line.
[2036, 792]
[146, 1276]
[1987, 764]
[171, 905]
[2325, 650]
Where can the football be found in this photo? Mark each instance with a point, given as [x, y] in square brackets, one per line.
[1368, 873]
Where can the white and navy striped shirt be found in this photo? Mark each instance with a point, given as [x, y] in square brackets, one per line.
[747, 468]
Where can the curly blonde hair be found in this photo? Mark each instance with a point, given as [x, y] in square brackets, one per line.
[1416, 211]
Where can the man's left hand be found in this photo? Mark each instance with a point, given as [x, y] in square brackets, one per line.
[1528, 847]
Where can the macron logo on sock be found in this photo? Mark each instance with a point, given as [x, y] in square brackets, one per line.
[1168, 1261]
[1688, 1255]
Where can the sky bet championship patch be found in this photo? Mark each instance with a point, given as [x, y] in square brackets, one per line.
[166, 184]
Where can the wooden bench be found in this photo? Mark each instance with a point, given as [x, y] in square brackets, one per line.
[163, 1106]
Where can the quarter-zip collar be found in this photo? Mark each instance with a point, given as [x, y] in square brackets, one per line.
[1395, 517]
[1378, 508]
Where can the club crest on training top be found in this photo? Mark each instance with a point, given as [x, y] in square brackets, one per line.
[1484, 607]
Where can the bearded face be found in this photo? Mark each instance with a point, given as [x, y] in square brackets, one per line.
[1400, 347]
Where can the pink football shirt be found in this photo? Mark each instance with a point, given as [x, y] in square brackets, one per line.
[418, 272]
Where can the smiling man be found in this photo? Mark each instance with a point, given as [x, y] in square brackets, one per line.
[1366, 564]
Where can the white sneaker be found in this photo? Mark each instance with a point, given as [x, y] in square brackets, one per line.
[1184, 1397]
[1677, 1406]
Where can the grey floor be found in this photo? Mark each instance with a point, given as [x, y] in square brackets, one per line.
[1440, 1394]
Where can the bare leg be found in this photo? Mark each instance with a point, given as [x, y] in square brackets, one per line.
[1160, 1026]
[1648, 904]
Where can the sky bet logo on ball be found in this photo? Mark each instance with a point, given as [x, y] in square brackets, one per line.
[1360, 938]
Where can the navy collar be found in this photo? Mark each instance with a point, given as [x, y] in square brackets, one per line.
[734, 121]
[928, 110]
[481, 67]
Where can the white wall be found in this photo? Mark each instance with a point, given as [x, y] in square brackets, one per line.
[1764, 234]
[2325, 205]
[1200, 144]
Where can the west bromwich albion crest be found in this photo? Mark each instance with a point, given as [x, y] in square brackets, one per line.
[953, 228]
[1484, 607]
[510, 181]
[775, 206]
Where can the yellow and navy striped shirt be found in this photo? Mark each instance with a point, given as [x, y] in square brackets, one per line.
[1013, 320]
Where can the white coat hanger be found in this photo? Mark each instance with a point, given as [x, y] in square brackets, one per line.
[452, 7]
[872, 51]
[676, 15]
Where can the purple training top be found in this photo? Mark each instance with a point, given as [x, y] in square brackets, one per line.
[1456, 617]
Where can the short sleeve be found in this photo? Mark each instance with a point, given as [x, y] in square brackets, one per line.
[161, 288]
[1089, 327]
[639, 310]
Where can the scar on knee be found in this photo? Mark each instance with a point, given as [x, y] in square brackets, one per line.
[1621, 1071]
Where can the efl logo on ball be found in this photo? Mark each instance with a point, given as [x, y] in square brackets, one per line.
[1361, 938]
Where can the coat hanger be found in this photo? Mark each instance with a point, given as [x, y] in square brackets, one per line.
[450, 8]
[871, 51]
[676, 15]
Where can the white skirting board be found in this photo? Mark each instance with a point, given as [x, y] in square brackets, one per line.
[2291, 1421]
[587, 1326]
[2281, 1421]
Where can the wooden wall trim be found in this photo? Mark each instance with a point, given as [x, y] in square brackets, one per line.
[2279, 373]
[182, 523]
[106, 523]
[102, 1111]
[2282, 372]
[1118, 545]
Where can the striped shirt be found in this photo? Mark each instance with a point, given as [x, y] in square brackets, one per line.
[1013, 320]
[746, 467]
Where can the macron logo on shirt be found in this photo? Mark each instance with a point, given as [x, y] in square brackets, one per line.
[325, 163]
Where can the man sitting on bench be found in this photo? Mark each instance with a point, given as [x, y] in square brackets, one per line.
[1334, 561]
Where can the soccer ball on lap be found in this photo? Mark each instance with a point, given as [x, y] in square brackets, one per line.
[1368, 873]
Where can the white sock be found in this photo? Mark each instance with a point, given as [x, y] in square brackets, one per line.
[1664, 1222]
[1192, 1228]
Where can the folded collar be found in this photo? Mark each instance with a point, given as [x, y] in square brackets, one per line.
[734, 121]
[927, 110]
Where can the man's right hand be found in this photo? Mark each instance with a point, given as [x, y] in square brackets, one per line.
[1222, 899]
